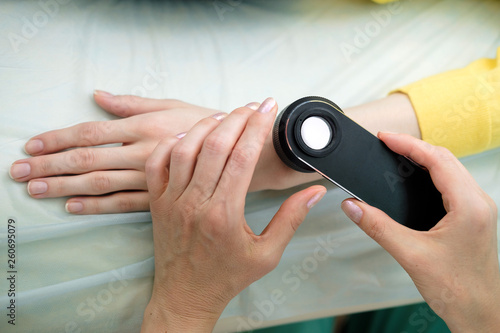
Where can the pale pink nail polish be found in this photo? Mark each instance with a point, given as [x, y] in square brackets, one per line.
[315, 199]
[219, 116]
[33, 146]
[254, 106]
[19, 170]
[73, 207]
[352, 211]
[37, 187]
[102, 93]
[267, 105]
[181, 135]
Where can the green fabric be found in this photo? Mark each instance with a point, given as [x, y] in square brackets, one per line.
[311, 326]
[417, 318]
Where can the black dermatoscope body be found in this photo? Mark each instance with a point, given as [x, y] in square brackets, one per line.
[314, 135]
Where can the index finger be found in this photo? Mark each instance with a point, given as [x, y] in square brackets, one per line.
[240, 165]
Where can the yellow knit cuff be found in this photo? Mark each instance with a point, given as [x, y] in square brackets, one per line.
[459, 109]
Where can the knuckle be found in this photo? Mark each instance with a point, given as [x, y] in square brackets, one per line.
[181, 153]
[91, 133]
[44, 166]
[186, 210]
[484, 215]
[100, 183]
[82, 159]
[376, 231]
[444, 154]
[125, 204]
[241, 157]
[215, 143]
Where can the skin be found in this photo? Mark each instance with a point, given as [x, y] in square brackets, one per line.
[205, 253]
[112, 180]
[455, 264]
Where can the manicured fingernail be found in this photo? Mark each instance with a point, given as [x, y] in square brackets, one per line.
[254, 106]
[267, 105]
[219, 116]
[19, 170]
[352, 211]
[315, 199]
[181, 135]
[33, 146]
[104, 94]
[37, 187]
[385, 133]
[73, 207]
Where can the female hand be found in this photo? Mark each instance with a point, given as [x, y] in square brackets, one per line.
[205, 253]
[455, 264]
[88, 172]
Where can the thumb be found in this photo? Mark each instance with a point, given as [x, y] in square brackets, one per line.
[129, 105]
[389, 234]
[290, 215]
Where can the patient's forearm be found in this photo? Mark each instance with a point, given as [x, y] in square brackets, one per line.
[393, 113]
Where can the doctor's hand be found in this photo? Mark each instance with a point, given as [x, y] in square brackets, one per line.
[455, 264]
[205, 253]
[112, 179]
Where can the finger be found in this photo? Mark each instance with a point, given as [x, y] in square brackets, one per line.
[129, 105]
[93, 183]
[92, 133]
[216, 149]
[240, 166]
[392, 236]
[292, 212]
[121, 202]
[448, 175]
[184, 155]
[77, 161]
[157, 167]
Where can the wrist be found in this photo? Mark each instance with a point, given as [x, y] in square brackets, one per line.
[160, 318]
[477, 311]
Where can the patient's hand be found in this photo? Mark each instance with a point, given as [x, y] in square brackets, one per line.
[112, 179]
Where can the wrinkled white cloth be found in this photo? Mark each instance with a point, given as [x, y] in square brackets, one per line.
[94, 273]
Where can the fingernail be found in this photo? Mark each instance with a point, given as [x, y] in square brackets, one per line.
[73, 207]
[254, 106]
[37, 187]
[103, 93]
[315, 199]
[219, 116]
[33, 146]
[384, 133]
[267, 105]
[181, 135]
[19, 170]
[352, 211]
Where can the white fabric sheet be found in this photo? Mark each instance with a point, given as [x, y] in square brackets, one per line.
[94, 273]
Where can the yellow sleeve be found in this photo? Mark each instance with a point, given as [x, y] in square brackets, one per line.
[460, 109]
